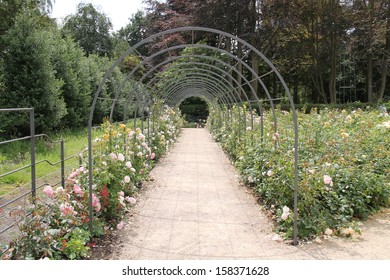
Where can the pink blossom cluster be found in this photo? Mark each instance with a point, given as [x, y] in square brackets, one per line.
[78, 191]
[67, 210]
[96, 203]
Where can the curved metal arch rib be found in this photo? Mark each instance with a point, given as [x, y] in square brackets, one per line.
[230, 37]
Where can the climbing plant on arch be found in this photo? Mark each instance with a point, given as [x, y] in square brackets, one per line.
[222, 76]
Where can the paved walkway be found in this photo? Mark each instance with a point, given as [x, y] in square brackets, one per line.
[196, 209]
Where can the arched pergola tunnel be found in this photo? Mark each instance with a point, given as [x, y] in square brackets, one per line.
[224, 78]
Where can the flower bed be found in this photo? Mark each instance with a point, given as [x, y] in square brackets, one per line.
[57, 227]
[344, 160]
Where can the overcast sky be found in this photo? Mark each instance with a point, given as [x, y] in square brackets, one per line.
[119, 11]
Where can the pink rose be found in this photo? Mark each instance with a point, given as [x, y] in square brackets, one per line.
[121, 157]
[96, 203]
[113, 156]
[78, 190]
[48, 190]
[328, 180]
[73, 175]
[120, 225]
[67, 210]
[131, 200]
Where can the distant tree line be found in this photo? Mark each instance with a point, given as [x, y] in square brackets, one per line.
[56, 69]
[328, 51]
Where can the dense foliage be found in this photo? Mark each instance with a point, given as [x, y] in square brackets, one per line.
[328, 51]
[57, 227]
[344, 160]
[194, 108]
[53, 70]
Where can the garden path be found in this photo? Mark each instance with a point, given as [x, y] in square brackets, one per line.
[196, 209]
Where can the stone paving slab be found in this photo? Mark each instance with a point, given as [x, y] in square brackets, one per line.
[196, 209]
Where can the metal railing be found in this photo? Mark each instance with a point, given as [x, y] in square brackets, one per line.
[35, 183]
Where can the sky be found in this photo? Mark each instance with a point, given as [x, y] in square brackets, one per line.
[119, 11]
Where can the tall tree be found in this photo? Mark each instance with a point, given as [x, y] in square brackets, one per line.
[91, 29]
[386, 51]
[71, 67]
[134, 31]
[369, 41]
[9, 9]
[29, 76]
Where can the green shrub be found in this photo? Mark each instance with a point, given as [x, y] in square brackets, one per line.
[344, 160]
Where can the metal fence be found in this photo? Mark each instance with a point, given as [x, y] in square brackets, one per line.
[21, 196]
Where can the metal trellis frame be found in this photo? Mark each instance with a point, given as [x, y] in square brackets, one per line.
[221, 83]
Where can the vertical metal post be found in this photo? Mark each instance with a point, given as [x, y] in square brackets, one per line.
[148, 126]
[252, 126]
[62, 163]
[90, 175]
[243, 108]
[135, 116]
[153, 118]
[32, 153]
[239, 122]
[262, 126]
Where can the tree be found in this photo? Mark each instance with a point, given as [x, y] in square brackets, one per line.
[162, 16]
[29, 78]
[371, 43]
[71, 67]
[91, 29]
[9, 9]
[135, 31]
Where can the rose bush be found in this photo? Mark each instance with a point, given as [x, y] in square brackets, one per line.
[57, 225]
[344, 160]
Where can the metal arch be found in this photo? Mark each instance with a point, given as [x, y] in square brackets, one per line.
[221, 85]
[178, 66]
[192, 28]
[230, 67]
[195, 92]
[227, 35]
[218, 79]
[135, 86]
[152, 81]
[202, 64]
[238, 60]
[217, 89]
[258, 78]
[143, 62]
[190, 63]
[202, 84]
[178, 93]
[214, 67]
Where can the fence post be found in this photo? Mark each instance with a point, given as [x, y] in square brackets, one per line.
[32, 153]
[63, 163]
